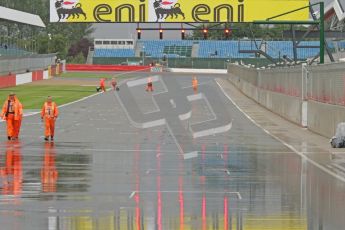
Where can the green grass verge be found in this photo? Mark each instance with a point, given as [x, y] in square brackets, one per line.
[33, 96]
[95, 75]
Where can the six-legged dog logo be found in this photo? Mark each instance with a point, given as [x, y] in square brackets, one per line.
[163, 11]
[62, 11]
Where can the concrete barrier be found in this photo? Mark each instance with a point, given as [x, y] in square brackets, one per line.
[23, 78]
[45, 75]
[281, 90]
[323, 118]
[289, 107]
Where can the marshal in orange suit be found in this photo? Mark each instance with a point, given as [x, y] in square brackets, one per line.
[49, 114]
[195, 84]
[11, 113]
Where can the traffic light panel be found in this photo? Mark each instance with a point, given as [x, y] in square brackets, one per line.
[139, 34]
[205, 32]
[183, 34]
[161, 34]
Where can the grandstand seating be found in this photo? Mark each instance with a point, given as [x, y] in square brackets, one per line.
[220, 49]
[278, 49]
[215, 49]
[158, 48]
[341, 44]
[182, 51]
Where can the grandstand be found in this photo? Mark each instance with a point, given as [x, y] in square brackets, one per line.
[13, 45]
[19, 63]
[210, 49]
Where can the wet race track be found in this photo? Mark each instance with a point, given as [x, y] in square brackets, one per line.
[129, 161]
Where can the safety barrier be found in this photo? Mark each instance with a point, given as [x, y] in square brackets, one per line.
[106, 68]
[7, 80]
[11, 80]
[322, 83]
[37, 75]
[25, 63]
[313, 96]
[157, 69]
[289, 107]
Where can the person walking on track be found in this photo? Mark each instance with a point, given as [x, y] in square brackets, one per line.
[114, 84]
[195, 84]
[49, 114]
[149, 87]
[11, 113]
[101, 85]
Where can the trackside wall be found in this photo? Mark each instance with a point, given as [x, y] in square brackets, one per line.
[311, 95]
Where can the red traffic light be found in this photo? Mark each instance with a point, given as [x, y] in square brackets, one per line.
[139, 34]
[205, 33]
[160, 34]
[227, 33]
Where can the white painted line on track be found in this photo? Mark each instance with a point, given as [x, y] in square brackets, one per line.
[301, 154]
[132, 194]
[188, 192]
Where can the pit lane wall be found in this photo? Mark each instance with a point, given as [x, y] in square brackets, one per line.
[310, 96]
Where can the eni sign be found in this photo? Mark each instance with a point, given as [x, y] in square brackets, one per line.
[181, 11]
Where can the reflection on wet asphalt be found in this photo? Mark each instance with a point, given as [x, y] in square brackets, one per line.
[102, 173]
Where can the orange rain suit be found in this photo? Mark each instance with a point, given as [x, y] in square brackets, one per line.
[18, 123]
[49, 112]
[195, 84]
[102, 84]
[11, 113]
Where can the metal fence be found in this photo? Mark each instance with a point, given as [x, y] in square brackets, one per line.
[323, 83]
[25, 63]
